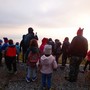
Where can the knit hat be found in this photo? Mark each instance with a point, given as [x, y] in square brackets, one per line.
[80, 31]
[48, 49]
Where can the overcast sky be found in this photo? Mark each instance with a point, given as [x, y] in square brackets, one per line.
[44, 13]
[65, 15]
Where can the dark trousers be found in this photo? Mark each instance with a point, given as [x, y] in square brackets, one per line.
[0, 58]
[11, 63]
[23, 56]
[87, 63]
[64, 59]
[57, 57]
[74, 67]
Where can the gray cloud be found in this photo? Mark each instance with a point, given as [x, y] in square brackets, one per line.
[44, 13]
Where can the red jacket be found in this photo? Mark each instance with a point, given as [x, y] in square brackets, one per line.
[88, 55]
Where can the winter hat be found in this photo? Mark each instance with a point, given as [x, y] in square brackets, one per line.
[48, 49]
[80, 31]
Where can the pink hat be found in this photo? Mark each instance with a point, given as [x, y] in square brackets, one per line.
[80, 31]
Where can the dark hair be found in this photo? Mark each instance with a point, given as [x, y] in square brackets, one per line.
[30, 30]
[17, 43]
[10, 41]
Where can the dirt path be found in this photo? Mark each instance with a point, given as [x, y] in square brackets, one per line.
[17, 82]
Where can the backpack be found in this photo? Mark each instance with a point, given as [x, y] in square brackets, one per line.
[27, 39]
[11, 51]
[32, 59]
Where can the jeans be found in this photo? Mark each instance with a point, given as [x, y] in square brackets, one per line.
[31, 72]
[46, 80]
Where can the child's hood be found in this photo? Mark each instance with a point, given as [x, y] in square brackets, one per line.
[46, 59]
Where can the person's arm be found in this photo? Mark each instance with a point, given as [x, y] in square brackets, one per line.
[55, 64]
[27, 52]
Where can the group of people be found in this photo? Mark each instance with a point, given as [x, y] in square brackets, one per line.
[49, 53]
[45, 57]
[10, 52]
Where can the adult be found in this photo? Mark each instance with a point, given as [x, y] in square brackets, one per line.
[65, 49]
[57, 49]
[10, 57]
[29, 36]
[44, 42]
[5, 45]
[78, 51]
[26, 41]
[51, 42]
[23, 48]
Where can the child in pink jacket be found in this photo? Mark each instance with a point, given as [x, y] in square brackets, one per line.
[47, 63]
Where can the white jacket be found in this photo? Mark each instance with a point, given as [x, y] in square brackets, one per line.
[48, 64]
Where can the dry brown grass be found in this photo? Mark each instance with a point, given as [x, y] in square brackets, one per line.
[60, 60]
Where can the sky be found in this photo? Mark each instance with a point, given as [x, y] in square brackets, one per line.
[50, 18]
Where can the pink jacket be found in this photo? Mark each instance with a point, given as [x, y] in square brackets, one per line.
[88, 55]
[48, 64]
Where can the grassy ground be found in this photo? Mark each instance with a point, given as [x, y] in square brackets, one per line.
[60, 59]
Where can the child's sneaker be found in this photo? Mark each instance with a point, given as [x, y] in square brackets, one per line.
[33, 79]
[27, 79]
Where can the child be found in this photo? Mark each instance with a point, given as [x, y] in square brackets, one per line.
[47, 64]
[87, 62]
[10, 57]
[18, 50]
[32, 67]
